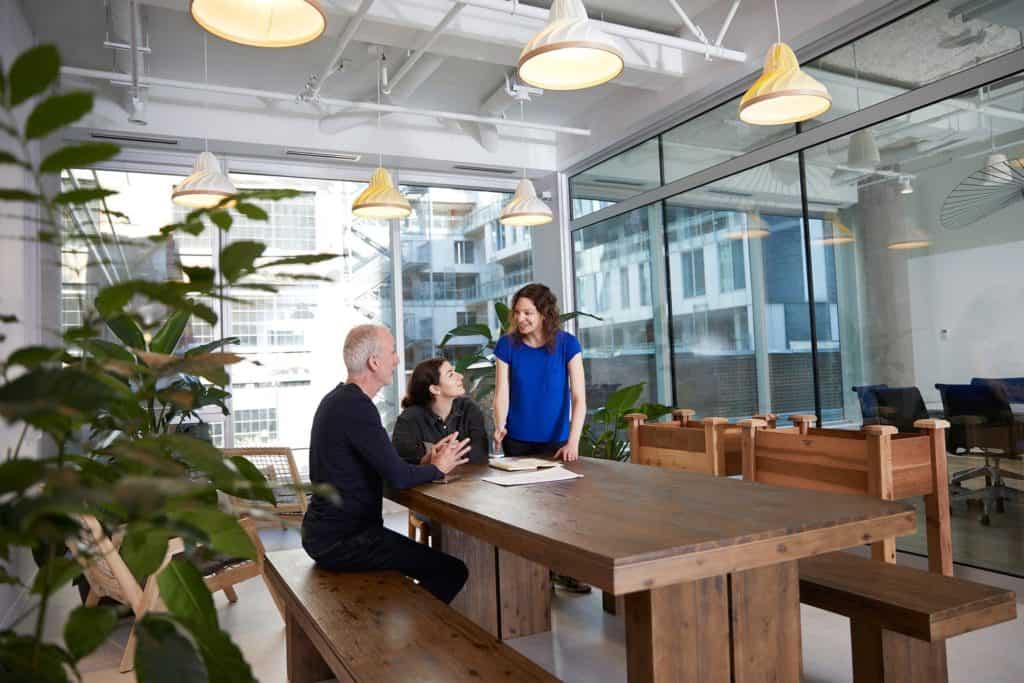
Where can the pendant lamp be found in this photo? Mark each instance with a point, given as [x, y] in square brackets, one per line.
[863, 150]
[753, 229]
[840, 234]
[525, 207]
[261, 23]
[571, 52]
[905, 186]
[381, 200]
[783, 93]
[908, 238]
[207, 185]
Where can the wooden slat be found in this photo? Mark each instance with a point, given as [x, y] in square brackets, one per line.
[836, 445]
[478, 599]
[689, 461]
[381, 627]
[524, 592]
[789, 472]
[765, 610]
[672, 436]
[923, 605]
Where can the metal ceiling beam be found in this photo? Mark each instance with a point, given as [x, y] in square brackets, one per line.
[312, 91]
[424, 46]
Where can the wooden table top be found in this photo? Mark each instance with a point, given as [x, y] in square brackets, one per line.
[625, 527]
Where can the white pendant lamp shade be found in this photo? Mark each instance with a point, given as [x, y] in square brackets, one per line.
[381, 200]
[206, 187]
[837, 234]
[783, 93]
[571, 52]
[753, 229]
[863, 150]
[261, 23]
[525, 207]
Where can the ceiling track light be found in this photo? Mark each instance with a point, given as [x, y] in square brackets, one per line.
[571, 52]
[783, 93]
[261, 23]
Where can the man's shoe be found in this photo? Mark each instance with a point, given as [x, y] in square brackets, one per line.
[568, 583]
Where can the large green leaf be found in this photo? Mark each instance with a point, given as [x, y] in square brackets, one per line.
[23, 659]
[211, 346]
[166, 653]
[112, 299]
[57, 111]
[82, 196]
[504, 314]
[223, 659]
[200, 276]
[34, 356]
[238, 259]
[32, 72]
[269, 194]
[572, 315]
[223, 532]
[127, 330]
[8, 158]
[54, 574]
[255, 478]
[251, 211]
[18, 475]
[15, 195]
[101, 348]
[473, 330]
[87, 628]
[77, 156]
[185, 594]
[144, 548]
[169, 334]
[304, 259]
[64, 391]
[221, 218]
[623, 399]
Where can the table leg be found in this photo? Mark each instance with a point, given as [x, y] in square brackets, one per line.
[305, 665]
[885, 656]
[679, 633]
[524, 592]
[478, 599]
[765, 605]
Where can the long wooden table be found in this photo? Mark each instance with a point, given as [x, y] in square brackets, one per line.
[708, 565]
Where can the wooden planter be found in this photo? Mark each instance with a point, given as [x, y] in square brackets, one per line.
[877, 461]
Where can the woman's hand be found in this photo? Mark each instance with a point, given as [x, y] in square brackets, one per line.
[447, 454]
[499, 436]
[570, 452]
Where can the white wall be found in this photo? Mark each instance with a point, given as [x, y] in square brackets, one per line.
[977, 297]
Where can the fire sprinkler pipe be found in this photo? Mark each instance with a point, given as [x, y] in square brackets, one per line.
[150, 81]
[343, 40]
[424, 47]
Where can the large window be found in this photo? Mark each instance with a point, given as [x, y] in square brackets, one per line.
[631, 172]
[444, 285]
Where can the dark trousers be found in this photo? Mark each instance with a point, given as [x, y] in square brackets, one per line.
[514, 448]
[378, 548]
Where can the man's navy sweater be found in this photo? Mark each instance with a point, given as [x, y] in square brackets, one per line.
[350, 450]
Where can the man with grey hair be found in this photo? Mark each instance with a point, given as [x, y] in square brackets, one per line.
[350, 450]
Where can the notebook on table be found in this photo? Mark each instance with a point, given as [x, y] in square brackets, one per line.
[521, 464]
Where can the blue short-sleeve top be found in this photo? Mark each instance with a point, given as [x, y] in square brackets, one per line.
[539, 407]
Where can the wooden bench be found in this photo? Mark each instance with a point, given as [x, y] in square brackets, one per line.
[900, 617]
[380, 626]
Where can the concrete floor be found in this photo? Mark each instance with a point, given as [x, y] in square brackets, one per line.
[585, 644]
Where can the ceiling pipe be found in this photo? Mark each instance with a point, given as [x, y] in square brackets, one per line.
[424, 46]
[150, 81]
[727, 23]
[628, 32]
[312, 91]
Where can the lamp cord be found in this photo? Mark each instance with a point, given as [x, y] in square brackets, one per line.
[778, 24]
[380, 76]
[522, 119]
[206, 99]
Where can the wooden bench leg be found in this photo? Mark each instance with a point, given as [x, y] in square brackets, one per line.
[230, 592]
[885, 656]
[679, 633]
[305, 665]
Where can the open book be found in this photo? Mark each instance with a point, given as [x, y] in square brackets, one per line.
[520, 464]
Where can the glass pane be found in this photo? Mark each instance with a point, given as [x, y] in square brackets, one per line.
[713, 137]
[936, 41]
[740, 313]
[927, 250]
[613, 272]
[634, 171]
[457, 259]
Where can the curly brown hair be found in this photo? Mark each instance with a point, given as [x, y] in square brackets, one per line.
[546, 304]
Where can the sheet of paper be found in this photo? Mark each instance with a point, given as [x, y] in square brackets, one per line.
[517, 464]
[533, 477]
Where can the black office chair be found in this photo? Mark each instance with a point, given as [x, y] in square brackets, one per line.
[982, 426]
[1011, 388]
[868, 404]
[900, 407]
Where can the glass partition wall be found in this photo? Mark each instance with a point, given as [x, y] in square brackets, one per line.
[869, 275]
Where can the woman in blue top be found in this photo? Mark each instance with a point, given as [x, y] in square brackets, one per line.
[540, 402]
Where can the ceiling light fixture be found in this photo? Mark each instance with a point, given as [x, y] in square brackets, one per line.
[753, 229]
[207, 186]
[525, 207]
[863, 149]
[840, 234]
[783, 93]
[381, 200]
[571, 52]
[905, 186]
[261, 23]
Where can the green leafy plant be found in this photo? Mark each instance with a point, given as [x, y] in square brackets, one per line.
[104, 407]
[603, 433]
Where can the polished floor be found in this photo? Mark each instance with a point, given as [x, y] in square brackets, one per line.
[585, 645]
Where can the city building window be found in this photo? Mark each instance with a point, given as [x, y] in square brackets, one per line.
[255, 425]
[624, 287]
[693, 273]
[465, 318]
[645, 284]
[463, 252]
[731, 269]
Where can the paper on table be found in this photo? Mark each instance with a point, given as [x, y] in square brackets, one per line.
[516, 464]
[534, 477]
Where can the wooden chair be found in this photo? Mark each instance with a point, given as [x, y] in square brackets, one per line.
[876, 461]
[420, 529]
[278, 466]
[707, 446]
[109, 575]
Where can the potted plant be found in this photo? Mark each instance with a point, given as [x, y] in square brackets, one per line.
[603, 433]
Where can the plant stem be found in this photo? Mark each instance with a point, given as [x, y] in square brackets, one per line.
[21, 439]
[42, 608]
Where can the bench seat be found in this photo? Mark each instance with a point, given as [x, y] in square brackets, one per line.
[380, 626]
[900, 617]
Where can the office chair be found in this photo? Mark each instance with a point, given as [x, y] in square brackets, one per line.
[981, 425]
[868, 404]
[1011, 388]
[899, 407]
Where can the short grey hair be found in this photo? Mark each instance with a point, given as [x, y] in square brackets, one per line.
[362, 342]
